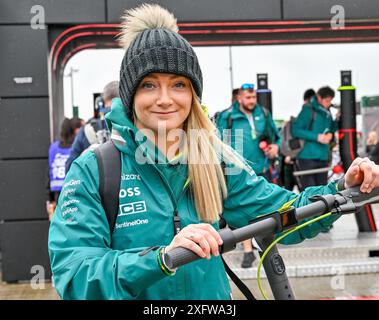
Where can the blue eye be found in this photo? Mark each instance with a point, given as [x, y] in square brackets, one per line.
[147, 85]
[180, 85]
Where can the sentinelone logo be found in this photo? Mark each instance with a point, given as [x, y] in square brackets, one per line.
[132, 223]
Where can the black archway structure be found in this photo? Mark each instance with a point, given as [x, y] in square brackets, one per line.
[33, 57]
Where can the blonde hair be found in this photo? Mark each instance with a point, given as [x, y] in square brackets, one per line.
[203, 154]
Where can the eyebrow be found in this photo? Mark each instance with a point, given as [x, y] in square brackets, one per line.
[171, 76]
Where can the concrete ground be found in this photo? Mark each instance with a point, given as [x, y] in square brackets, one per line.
[310, 288]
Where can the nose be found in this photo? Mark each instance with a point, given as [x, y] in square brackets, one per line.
[164, 98]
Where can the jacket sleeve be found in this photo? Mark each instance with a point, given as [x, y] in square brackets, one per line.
[83, 263]
[300, 126]
[250, 196]
[78, 146]
[334, 126]
[278, 136]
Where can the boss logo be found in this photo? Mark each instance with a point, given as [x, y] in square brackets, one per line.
[130, 192]
[132, 208]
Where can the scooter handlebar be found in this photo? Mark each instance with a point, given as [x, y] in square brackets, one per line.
[180, 256]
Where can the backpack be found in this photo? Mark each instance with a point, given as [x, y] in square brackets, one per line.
[291, 146]
[95, 135]
[109, 162]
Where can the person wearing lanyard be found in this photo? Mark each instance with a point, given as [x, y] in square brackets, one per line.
[246, 116]
[173, 187]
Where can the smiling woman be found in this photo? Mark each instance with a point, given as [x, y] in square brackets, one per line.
[167, 204]
[162, 100]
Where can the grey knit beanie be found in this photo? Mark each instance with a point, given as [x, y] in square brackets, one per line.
[153, 44]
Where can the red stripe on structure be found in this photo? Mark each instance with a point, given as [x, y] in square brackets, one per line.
[370, 217]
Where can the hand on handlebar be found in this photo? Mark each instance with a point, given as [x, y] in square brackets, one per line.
[200, 238]
[363, 172]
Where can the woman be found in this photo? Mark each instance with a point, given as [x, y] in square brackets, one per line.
[165, 177]
[59, 152]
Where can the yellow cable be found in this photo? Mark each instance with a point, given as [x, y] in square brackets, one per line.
[275, 242]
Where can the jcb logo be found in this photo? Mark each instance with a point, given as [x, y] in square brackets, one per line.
[132, 208]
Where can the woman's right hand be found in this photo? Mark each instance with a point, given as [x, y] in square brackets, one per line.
[200, 238]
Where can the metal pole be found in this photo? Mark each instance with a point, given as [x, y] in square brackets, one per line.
[313, 171]
[72, 87]
[71, 75]
[348, 144]
[231, 69]
[264, 94]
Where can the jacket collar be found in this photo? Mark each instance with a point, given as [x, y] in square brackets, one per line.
[318, 107]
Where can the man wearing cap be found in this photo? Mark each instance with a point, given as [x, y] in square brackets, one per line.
[249, 128]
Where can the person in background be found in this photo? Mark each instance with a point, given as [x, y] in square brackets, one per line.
[94, 131]
[233, 100]
[371, 141]
[289, 163]
[372, 146]
[308, 94]
[258, 128]
[58, 154]
[316, 127]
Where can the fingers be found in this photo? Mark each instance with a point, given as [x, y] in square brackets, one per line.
[211, 236]
[201, 238]
[211, 230]
[188, 244]
[366, 168]
[365, 172]
[375, 177]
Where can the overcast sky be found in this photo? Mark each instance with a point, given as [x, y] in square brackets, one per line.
[291, 70]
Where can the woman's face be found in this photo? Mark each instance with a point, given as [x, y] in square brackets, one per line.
[162, 99]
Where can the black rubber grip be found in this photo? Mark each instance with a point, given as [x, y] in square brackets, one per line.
[179, 256]
[359, 198]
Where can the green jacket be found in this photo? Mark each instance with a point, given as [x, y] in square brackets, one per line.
[90, 263]
[248, 146]
[322, 123]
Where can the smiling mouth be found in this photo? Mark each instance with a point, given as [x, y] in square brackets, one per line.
[163, 113]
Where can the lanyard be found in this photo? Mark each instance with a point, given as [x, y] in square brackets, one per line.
[252, 125]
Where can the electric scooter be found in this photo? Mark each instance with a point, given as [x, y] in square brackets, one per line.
[266, 228]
